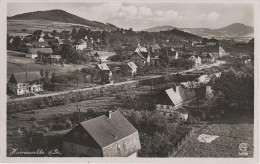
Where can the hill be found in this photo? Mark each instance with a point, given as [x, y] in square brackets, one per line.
[159, 28]
[234, 30]
[231, 31]
[61, 16]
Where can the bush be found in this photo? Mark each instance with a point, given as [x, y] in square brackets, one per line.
[59, 126]
[32, 119]
[68, 123]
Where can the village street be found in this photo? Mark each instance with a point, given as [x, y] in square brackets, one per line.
[217, 63]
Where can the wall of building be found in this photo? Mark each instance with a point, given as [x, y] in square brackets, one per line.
[124, 147]
[76, 150]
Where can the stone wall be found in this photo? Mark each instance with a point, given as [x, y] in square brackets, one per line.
[64, 98]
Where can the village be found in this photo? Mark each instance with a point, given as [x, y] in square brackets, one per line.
[87, 93]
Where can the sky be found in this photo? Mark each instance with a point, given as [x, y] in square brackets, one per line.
[145, 15]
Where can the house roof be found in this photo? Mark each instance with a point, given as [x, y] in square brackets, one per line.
[42, 50]
[176, 96]
[103, 67]
[79, 42]
[40, 44]
[209, 55]
[106, 131]
[48, 35]
[132, 65]
[140, 49]
[143, 55]
[21, 77]
[213, 40]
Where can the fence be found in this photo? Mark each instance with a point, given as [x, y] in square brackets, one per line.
[176, 147]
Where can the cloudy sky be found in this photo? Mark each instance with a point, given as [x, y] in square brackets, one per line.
[146, 15]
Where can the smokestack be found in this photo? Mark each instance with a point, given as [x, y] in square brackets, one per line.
[110, 114]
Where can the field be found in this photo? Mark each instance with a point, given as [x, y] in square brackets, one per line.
[16, 62]
[33, 25]
[233, 128]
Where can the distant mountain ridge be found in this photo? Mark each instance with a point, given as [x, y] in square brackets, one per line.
[233, 30]
[60, 16]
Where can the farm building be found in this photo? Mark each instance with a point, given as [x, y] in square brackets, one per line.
[24, 82]
[141, 58]
[80, 44]
[105, 72]
[104, 136]
[195, 61]
[171, 100]
[34, 52]
[40, 44]
[209, 58]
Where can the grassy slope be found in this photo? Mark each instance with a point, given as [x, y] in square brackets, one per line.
[234, 127]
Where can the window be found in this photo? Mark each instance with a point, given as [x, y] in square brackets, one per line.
[76, 134]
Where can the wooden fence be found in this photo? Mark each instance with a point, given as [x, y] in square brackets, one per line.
[176, 147]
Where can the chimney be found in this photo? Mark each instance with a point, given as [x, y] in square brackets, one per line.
[110, 114]
[177, 88]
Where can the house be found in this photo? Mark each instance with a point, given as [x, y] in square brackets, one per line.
[141, 58]
[48, 36]
[96, 57]
[171, 100]
[24, 82]
[80, 44]
[40, 44]
[194, 61]
[133, 68]
[140, 49]
[55, 57]
[34, 52]
[104, 136]
[173, 54]
[105, 72]
[156, 48]
[212, 42]
[209, 58]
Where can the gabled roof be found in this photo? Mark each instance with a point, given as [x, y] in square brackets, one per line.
[132, 65]
[209, 55]
[96, 54]
[140, 49]
[213, 40]
[106, 131]
[79, 42]
[21, 77]
[42, 50]
[103, 67]
[143, 55]
[176, 96]
[48, 35]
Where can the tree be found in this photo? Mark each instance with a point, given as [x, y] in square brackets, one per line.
[69, 53]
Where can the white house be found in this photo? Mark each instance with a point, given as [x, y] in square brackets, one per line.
[170, 101]
[80, 44]
[25, 82]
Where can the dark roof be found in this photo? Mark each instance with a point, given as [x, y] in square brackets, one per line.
[21, 77]
[96, 54]
[209, 55]
[106, 131]
[143, 55]
[213, 40]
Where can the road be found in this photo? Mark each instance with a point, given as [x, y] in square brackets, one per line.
[217, 63]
